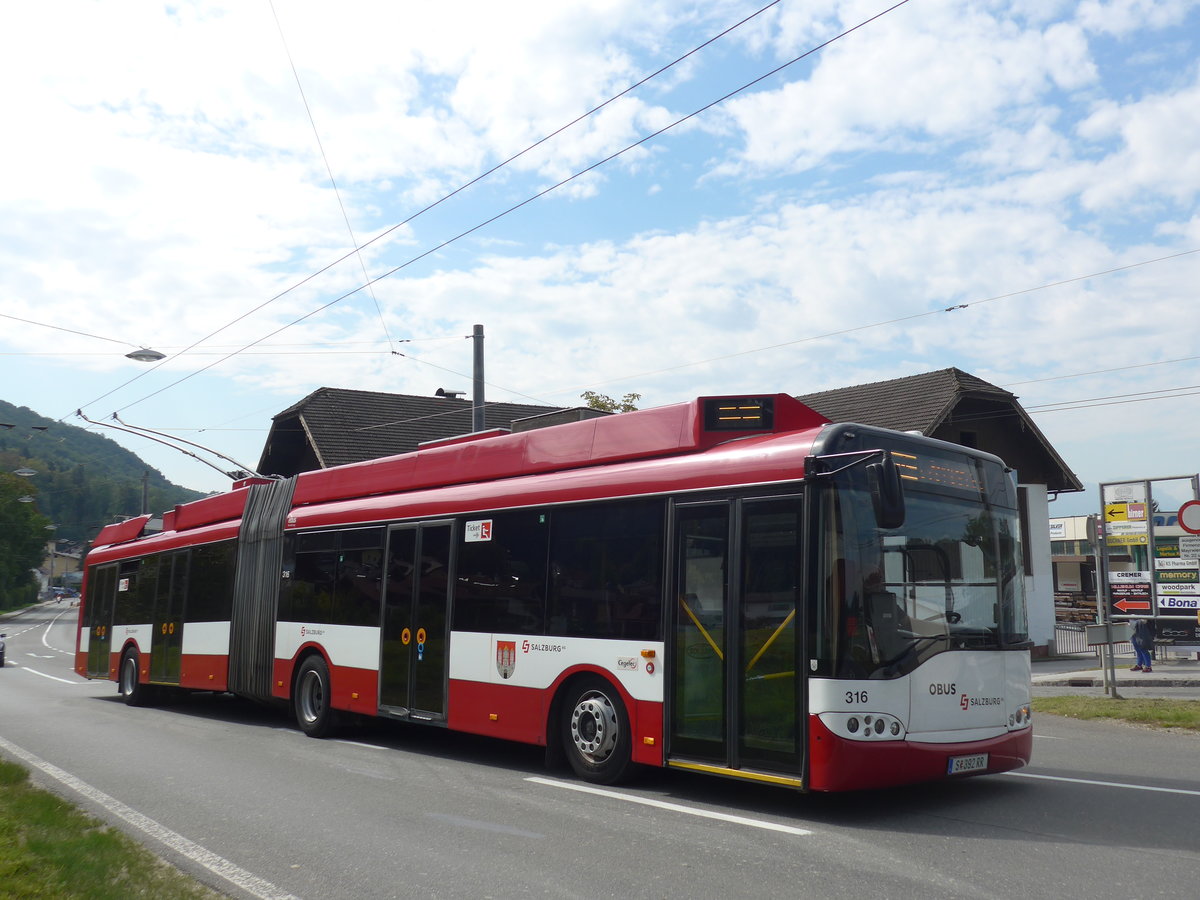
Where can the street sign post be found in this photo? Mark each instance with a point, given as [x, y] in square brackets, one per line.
[1147, 569]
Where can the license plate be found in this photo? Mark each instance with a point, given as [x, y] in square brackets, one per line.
[956, 765]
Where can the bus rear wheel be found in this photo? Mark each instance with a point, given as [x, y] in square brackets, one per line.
[129, 684]
[595, 732]
[314, 714]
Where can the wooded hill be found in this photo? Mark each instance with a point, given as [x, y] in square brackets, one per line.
[84, 480]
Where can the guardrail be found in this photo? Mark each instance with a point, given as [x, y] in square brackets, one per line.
[1071, 639]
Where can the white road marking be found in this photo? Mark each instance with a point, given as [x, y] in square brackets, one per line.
[218, 865]
[672, 807]
[51, 677]
[1112, 784]
[356, 744]
[46, 634]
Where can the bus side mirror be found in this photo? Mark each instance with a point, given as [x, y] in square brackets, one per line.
[887, 494]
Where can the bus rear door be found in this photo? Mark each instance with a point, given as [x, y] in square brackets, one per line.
[98, 615]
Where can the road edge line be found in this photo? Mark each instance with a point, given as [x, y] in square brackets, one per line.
[218, 865]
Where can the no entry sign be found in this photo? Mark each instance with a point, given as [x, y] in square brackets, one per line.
[1189, 517]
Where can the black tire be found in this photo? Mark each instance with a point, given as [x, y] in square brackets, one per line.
[129, 684]
[312, 698]
[595, 732]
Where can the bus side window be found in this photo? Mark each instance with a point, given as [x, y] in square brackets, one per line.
[606, 571]
[501, 582]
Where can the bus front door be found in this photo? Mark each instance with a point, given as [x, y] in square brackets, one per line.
[415, 632]
[735, 692]
[166, 640]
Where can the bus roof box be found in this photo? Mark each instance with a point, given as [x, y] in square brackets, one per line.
[642, 434]
[217, 508]
[120, 532]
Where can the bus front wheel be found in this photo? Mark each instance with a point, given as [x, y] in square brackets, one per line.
[314, 714]
[129, 684]
[595, 732]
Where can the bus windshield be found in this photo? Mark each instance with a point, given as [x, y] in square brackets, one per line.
[948, 579]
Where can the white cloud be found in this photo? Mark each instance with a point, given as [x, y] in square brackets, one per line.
[1120, 17]
[909, 84]
[1159, 152]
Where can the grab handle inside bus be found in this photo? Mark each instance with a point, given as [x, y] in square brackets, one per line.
[887, 494]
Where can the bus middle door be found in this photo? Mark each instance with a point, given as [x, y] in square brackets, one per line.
[415, 632]
[166, 640]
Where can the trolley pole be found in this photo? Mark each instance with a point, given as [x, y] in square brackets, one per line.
[477, 422]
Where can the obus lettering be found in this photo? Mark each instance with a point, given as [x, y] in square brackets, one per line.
[943, 690]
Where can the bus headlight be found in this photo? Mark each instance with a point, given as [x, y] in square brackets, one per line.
[864, 726]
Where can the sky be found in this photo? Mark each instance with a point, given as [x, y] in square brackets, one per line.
[827, 194]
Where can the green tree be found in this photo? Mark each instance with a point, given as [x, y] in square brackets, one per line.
[608, 404]
[23, 539]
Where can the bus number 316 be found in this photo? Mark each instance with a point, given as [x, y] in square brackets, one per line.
[856, 696]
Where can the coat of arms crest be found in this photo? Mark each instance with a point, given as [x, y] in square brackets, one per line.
[506, 658]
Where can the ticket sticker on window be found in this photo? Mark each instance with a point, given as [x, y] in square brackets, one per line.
[480, 530]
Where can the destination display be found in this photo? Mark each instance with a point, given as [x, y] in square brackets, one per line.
[937, 470]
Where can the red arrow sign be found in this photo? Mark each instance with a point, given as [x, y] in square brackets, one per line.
[1130, 605]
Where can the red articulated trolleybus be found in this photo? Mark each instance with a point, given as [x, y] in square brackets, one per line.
[733, 585]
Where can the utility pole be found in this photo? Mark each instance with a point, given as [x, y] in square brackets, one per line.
[477, 423]
[145, 491]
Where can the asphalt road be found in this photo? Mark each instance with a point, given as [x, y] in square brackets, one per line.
[232, 793]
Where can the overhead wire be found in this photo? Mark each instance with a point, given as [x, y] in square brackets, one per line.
[443, 199]
[895, 321]
[87, 334]
[1082, 403]
[371, 281]
[329, 169]
[840, 332]
[536, 196]
[1161, 362]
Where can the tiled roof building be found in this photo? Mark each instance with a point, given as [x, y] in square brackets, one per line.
[334, 426]
[953, 405]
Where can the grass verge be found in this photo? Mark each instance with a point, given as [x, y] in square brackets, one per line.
[49, 850]
[1156, 713]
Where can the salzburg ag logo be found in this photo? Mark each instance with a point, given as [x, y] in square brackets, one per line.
[979, 701]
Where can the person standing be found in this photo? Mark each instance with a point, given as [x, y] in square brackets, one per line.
[1142, 639]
